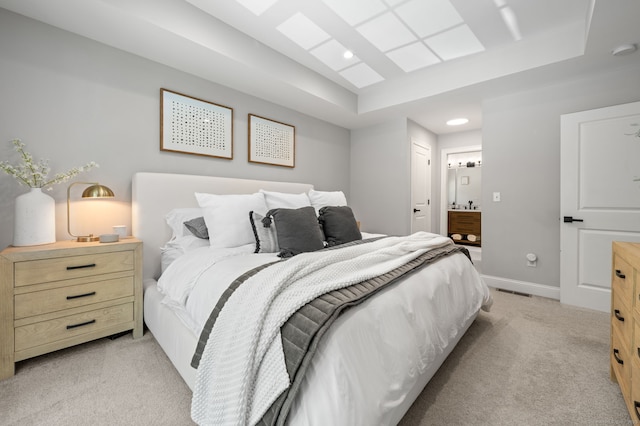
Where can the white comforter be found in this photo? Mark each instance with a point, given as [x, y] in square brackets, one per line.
[429, 330]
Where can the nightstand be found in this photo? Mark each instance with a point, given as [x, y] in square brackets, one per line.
[58, 295]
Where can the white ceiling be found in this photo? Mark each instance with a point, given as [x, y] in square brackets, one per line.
[429, 60]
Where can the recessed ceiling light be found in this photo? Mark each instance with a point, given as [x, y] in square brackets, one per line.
[457, 121]
[347, 54]
[331, 54]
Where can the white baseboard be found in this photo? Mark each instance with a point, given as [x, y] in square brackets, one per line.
[542, 290]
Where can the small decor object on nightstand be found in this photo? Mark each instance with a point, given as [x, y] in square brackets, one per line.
[35, 221]
[109, 238]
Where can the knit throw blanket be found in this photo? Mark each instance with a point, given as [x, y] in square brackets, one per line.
[242, 369]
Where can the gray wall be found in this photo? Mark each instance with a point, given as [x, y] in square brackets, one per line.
[459, 139]
[521, 160]
[380, 177]
[72, 100]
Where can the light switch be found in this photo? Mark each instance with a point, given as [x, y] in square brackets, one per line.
[496, 196]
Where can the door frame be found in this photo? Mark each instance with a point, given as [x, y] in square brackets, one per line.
[443, 181]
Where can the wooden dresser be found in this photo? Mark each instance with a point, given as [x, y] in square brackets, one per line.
[625, 324]
[58, 295]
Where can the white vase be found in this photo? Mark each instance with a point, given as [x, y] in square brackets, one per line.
[35, 219]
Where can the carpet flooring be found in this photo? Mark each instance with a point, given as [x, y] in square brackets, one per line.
[530, 361]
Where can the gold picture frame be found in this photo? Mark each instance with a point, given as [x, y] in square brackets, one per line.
[271, 142]
[194, 126]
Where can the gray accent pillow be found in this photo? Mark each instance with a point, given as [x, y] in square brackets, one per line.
[298, 230]
[338, 225]
[266, 237]
[197, 227]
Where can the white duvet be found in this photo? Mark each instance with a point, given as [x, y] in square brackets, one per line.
[397, 334]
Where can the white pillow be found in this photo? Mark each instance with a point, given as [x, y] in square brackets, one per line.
[227, 217]
[320, 199]
[177, 217]
[176, 247]
[283, 200]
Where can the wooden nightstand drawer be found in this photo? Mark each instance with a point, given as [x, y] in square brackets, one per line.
[57, 269]
[45, 332]
[57, 299]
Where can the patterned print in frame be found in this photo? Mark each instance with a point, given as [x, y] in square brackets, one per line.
[271, 142]
[195, 126]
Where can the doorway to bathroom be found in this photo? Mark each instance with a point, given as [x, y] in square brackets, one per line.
[461, 195]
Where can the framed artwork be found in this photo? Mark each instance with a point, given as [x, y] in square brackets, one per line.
[271, 142]
[195, 126]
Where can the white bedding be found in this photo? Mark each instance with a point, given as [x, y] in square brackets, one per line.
[214, 269]
[193, 283]
[420, 323]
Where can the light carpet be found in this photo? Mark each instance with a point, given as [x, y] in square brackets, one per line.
[530, 361]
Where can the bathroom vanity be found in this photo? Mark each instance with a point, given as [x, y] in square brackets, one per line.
[464, 226]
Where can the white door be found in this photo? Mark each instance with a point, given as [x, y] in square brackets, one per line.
[420, 187]
[600, 199]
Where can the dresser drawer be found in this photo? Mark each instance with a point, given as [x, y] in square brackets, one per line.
[636, 300]
[57, 299]
[635, 390]
[621, 318]
[57, 269]
[45, 332]
[622, 281]
[621, 363]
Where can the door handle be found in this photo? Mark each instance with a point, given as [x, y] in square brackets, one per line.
[416, 210]
[569, 219]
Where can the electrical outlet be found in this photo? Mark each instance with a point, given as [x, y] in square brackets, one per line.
[496, 196]
[532, 260]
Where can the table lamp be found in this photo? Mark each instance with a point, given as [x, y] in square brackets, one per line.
[94, 191]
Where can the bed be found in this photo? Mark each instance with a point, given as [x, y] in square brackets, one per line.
[367, 368]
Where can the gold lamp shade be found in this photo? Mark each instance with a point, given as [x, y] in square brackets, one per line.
[97, 191]
[94, 191]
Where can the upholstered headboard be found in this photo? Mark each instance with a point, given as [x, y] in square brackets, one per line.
[155, 194]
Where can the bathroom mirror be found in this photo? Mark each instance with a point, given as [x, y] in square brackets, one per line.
[464, 180]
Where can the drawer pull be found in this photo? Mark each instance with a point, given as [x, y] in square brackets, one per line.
[69, 327]
[90, 265]
[616, 312]
[619, 274]
[77, 296]
[615, 355]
